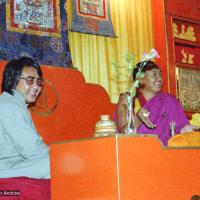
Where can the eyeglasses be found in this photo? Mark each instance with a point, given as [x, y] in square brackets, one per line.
[30, 80]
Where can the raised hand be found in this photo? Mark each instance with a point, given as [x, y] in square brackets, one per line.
[143, 115]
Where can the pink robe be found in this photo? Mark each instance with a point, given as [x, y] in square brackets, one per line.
[164, 109]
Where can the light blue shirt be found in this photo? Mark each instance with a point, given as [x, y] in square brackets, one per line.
[22, 150]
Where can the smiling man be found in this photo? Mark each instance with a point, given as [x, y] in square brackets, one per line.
[155, 111]
[22, 150]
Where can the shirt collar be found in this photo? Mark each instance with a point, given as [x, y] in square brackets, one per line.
[19, 95]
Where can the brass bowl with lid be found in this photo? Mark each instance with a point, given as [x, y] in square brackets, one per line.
[105, 126]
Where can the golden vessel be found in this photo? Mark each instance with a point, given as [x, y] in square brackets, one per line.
[105, 126]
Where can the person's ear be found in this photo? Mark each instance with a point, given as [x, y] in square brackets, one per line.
[142, 81]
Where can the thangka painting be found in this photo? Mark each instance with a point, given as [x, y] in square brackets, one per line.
[37, 17]
[35, 28]
[189, 89]
[92, 17]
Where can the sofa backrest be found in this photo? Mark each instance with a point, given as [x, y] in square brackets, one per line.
[68, 107]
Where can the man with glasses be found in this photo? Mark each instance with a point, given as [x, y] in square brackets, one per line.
[22, 150]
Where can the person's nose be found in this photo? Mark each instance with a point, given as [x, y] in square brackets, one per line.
[35, 85]
[159, 76]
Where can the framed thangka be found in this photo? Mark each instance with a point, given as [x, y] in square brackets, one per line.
[189, 88]
[35, 28]
[37, 17]
[92, 17]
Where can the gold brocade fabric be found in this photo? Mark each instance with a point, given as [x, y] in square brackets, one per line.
[190, 139]
[93, 55]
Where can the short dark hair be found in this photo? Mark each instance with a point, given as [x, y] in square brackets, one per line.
[13, 70]
[195, 197]
[149, 65]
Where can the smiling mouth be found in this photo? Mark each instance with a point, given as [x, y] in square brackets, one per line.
[158, 84]
[33, 94]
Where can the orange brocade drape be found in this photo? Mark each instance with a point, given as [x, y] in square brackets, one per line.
[93, 55]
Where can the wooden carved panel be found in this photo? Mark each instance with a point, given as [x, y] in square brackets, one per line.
[186, 30]
[186, 37]
[187, 54]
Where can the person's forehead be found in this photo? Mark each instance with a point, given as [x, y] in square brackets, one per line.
[153, 70]
[30, 71]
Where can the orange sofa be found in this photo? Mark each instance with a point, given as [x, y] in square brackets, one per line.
[68, 107]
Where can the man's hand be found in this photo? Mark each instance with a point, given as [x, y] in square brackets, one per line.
[143, 114]
[122, 112]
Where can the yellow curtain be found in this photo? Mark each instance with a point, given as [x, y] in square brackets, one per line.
[93, 55]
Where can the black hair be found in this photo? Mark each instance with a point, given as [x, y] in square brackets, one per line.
[13, 70]
[149, 65]
[195, 197]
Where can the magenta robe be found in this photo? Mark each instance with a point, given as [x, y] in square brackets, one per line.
[164, 108]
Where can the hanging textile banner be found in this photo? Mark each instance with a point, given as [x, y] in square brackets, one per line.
[35, 28]
[34, 17]
[92, 17]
